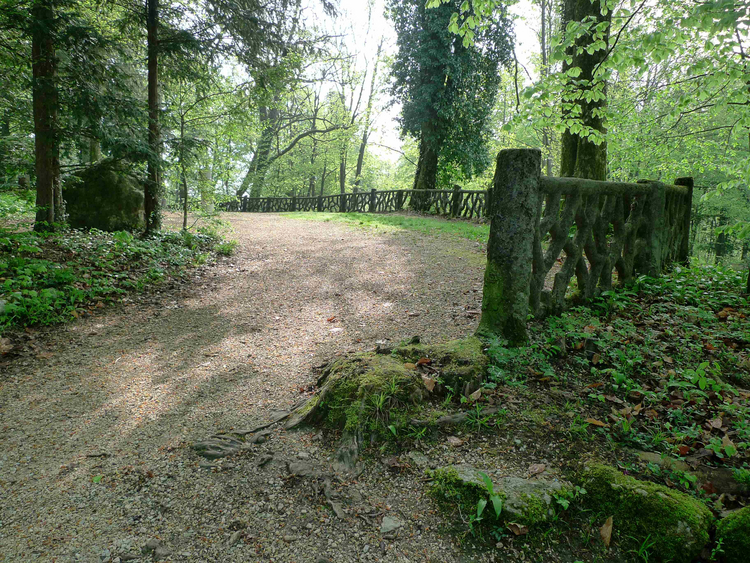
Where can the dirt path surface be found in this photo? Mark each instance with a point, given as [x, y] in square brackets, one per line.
[97, 417]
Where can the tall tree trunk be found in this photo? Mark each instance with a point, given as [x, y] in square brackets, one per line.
[256, 175]
[368, 119]
[153, 183]
[4, 134]
[580, 157]
[46, 141]
[323, 176]
[342, 170]
[546, 137]
[183, 176]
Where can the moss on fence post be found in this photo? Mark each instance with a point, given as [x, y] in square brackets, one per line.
[650, 260]
[514, 214]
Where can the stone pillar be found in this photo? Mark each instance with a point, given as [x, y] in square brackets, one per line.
[294, 203]
[514, 216]
[320, 203]
[650, 260]
[683, 255]
[373, 200]
[342, 203]
[399, 200]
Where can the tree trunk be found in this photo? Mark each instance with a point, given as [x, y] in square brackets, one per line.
[546, 137]
[46, 142]
[256, 176]
[580, 157]
[368, 119]
[342, 171]
[153, 183]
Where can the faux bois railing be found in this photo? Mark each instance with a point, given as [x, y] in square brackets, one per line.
[544, 231]
[467, 204]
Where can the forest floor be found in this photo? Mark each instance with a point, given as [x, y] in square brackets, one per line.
[98, 415]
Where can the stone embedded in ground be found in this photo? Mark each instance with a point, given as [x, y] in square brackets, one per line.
[676, 523]
[390, 524]
[305, 469]
[525, 501]
[733, 531]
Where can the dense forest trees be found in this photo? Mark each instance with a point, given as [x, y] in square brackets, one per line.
[211, 99]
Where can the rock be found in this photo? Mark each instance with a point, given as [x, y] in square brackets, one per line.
[677, 523]
[338, 509]
[733, 531]
[218, 446]
[234, 538]
[259, 438]
[419, 459]
[263, 460]
[105, 196]
[390, 524]
[151, 545]
[304, 469]
[162, 551]
[525, 501]
[455, 441]
[129, 557]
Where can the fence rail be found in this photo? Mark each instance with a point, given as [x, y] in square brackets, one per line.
[564, 227]
[466, 204]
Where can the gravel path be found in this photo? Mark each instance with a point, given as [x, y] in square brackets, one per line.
[97, 417]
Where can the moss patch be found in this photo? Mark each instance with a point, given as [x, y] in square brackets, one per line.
[363, 392]
[733, 532]
[462, 363]
[677, 523]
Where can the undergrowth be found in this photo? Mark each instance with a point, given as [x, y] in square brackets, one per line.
[47, 278]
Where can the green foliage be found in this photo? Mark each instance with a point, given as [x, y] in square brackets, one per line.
[53, 278]
[446, 86]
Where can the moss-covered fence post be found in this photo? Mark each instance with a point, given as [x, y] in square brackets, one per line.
[373, 200]
[514, 214]
[683, 256]
[399, 200]
[650, 260]
[456, 201]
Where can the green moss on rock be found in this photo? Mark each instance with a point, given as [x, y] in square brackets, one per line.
[733, 531]
[462, 363]
[525, 501]
[362, 392]
[676, 523]
[104, 196]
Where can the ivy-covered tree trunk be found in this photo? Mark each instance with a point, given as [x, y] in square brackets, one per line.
[153, 183]
[425, 177]
[580, 157]
[45, 101]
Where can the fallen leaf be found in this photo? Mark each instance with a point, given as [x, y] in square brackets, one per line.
[683, 450]
[717, 423]
[331, 319]
[5, 345]
[410, 366]
[593, 385]
[595, 422]
[668, 360]
[606, 531]
[424, 362]
[428, 382]
[537, 468]
[518, 529]
[596, 359]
